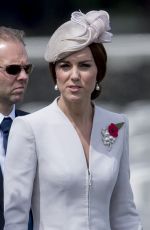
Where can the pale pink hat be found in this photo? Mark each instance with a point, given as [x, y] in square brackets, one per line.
[78, 33]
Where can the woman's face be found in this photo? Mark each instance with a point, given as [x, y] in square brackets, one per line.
[76, 76]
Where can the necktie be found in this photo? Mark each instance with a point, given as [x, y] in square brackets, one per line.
[5, 127]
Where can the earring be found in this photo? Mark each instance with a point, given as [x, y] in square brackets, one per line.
[56, 87]
[97, 87]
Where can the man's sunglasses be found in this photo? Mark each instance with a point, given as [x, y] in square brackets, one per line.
[16, 69]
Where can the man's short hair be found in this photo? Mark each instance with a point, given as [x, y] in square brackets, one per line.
[7, 34]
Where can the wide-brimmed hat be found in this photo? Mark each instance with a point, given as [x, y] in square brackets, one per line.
[78, 33]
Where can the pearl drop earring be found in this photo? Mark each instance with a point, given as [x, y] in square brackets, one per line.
[56, 87]
[97, 87]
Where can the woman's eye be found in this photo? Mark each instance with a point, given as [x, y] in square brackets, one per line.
[63, 66]
[85, 65]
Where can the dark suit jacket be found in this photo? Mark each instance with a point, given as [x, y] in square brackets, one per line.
[30, 225]
[20, 113]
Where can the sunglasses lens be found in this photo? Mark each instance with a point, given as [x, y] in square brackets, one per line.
[16, 69]
[13, 69]
[28, 68]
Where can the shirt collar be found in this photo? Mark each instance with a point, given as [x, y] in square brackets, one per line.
[11, 115]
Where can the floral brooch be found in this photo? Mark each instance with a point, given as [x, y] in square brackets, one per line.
[110, 134]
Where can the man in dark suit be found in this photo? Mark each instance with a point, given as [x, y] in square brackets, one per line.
[14, 74]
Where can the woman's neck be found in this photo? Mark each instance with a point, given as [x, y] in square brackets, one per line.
[78, 113]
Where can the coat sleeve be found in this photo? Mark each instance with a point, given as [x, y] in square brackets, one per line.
[19, 173]
[123, 214]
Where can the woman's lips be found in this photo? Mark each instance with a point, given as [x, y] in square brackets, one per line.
[74, 88]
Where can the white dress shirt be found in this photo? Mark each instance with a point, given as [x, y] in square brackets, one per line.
[2, 152]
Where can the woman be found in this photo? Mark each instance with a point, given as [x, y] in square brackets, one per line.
[73, 163]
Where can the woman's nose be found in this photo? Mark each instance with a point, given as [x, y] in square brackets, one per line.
[75, 74]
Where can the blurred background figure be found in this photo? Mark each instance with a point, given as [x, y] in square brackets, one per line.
[128, 66]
